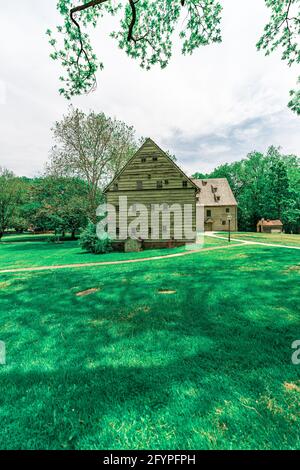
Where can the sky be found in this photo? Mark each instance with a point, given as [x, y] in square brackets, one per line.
[209, 108]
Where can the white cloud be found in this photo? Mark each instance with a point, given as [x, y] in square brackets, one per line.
[213, 106]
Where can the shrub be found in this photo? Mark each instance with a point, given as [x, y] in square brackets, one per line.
[90, 242]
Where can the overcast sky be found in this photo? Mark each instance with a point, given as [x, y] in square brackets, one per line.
[212, 107]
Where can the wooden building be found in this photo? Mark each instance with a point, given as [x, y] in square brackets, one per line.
[215, 201]
[269, 226]
[151, 177]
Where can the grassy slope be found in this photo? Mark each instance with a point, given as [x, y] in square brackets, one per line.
[127, 367]
[29, 254]
[277, 238]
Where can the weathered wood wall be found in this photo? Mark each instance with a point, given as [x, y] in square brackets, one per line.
[139, 179]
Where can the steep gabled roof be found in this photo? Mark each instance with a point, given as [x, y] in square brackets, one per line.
[215, 192]
[147, 141]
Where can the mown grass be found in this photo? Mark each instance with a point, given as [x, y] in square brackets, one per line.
[206, 367]
[277, 238]
[41, 253]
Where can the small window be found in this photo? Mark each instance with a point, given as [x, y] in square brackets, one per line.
[116, 187]
[143, 159]
[223, 222]
[204, 183]
[154, 159]
[159, 184]
[117, 231]
[117, 208]
[184, 184]
[139, 185]
[218, 198]
[149, 176]
[166, 181]
[149, 231]
[227, 210]
[208, 213]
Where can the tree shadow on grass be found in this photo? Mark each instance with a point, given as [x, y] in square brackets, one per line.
[127, 367]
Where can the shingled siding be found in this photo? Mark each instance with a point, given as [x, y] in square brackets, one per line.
[151, 177]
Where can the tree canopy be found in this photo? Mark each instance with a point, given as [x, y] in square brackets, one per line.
[147, 30]
[93, 147]
[11, 196]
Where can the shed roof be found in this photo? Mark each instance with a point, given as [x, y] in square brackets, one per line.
[215, 192]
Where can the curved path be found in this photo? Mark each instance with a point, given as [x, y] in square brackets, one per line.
[108, 263]
[250, 242]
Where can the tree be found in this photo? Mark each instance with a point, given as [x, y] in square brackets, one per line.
[278, 187]
[11, 196]
[93, 147]
[146, 34]
[283, 31]
[57, 203]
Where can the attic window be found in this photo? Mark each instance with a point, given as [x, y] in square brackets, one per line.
[139, 185]
[166, 181]
[204, 183]
[184, 184]
[149, 177]
[217, 198]
[116, 186]
[159, 184]
[154, 158]
[208, 213]
[227, 210]
[143, 159]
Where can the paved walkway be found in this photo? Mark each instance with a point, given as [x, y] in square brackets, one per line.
[250, 242]
[108, 263]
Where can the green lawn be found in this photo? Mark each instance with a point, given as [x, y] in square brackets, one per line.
[205, 367]
[277, 238]
[40, 253]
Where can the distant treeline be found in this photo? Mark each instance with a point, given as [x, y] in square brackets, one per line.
[265, 185]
